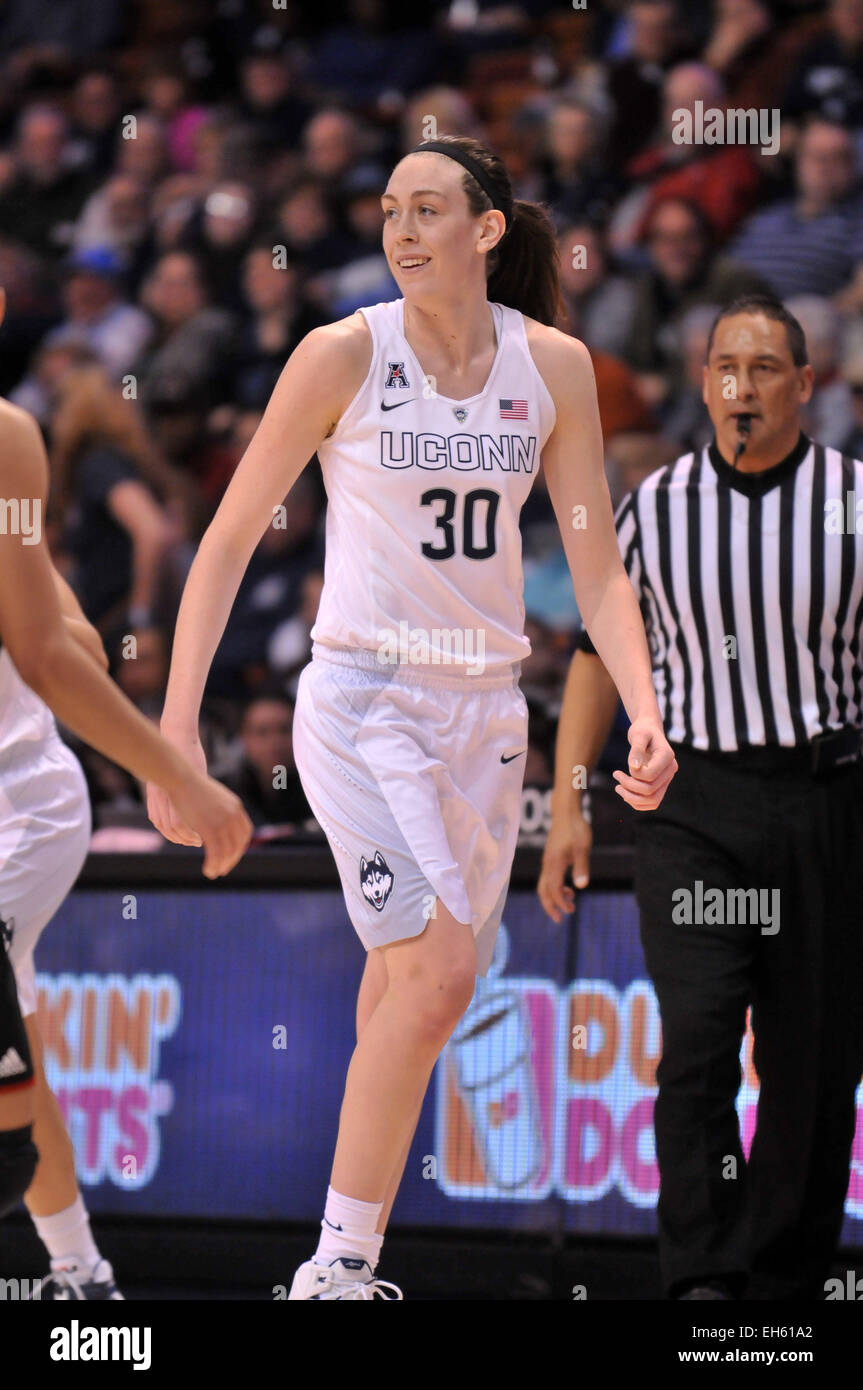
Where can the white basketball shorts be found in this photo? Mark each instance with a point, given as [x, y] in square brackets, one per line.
[44, 834]
[415, 777]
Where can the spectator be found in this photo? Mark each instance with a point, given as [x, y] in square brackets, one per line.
[656, 42]
[117, 217]
[722, 180]
[43, 196]
[599, 301]
[852, 375]
[96, 314]
[684, 418]
[371, 62]
[290, 647]
[95, 114]
[267, 781]
[365, 278]
[576, 182]
[306, 227]
[269, 592]
[811, 243]
[268, 103]
[142, 672]
[829, 415]
[453, 115]
[118, 533]
[194, 345]
[277, 318]
[331, 144]
[828, 78]
[219, 234]
[145, 155]
[680, 274]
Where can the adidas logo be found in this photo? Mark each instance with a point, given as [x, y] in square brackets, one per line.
[11, 1064]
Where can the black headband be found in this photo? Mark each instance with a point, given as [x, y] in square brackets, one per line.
[473, 168]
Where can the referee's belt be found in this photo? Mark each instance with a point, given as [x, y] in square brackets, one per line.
[827, 753]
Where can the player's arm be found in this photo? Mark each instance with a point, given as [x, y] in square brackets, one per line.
[70, 682]
[77, 624]
[590, 701]
[575, 474]
[318, 381]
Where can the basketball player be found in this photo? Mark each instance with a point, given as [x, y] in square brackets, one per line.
[429, 416]
[46, 641]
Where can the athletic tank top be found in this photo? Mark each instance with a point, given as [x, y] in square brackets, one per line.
[423, 548]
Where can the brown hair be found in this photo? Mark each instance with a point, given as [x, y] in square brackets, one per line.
[90, 409]
[523, 267]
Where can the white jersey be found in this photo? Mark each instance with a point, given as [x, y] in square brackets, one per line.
[423, 548]
[25, 719]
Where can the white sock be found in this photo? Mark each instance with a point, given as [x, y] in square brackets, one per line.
[66, 1236]
[348, 1230]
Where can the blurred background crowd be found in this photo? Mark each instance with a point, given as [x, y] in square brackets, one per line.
[187, 187]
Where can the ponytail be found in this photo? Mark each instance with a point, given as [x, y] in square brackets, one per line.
[525, 271]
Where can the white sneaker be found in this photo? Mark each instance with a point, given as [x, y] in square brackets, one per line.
[352, 1281]
[72, 1281]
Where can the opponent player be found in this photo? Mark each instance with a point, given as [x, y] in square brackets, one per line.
[429, 416]
[44, 832]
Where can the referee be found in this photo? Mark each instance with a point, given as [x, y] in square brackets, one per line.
[749, 875]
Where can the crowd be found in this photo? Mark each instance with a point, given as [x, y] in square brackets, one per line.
[186, 189]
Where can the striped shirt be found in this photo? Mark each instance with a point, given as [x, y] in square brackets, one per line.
[751, 591]
[817, 255]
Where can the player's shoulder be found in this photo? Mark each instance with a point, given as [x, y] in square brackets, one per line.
[22, 453]
[347, 341]
[16, 424]
[562, 361]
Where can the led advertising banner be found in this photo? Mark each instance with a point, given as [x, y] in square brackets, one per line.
[198, 1043]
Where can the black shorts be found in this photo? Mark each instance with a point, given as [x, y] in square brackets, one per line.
[16, 1063]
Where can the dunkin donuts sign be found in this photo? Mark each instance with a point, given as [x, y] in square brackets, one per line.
[542, 1090]
[102, 1035]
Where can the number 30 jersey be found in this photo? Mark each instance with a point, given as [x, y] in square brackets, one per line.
[423, 548]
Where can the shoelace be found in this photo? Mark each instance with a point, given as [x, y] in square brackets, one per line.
[367, 1291]
[65, 1279]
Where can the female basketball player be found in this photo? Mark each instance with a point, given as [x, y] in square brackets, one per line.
[429, 416]
[44, 832]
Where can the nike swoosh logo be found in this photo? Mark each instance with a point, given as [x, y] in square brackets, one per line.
[331, 1226]
[396, 406]
[512, 756]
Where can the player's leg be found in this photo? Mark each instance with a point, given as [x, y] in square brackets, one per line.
[430, 981]
[17, 1151]
[372, 990]
[54, 1200]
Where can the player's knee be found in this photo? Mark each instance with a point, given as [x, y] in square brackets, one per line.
[18, 1159]
[445, 995]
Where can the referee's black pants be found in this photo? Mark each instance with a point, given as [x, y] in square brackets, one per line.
[755, 820]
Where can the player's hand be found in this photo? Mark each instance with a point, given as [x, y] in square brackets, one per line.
[568, 846]
[652, 765]
[218, 818]
[163, 810]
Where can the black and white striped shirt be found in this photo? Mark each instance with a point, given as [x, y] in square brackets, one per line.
[751, 590]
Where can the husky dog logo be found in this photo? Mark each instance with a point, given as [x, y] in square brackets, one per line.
[6, 930]
[396, 375]
[376, 880]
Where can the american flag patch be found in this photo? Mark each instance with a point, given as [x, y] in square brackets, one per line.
[513, 410]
